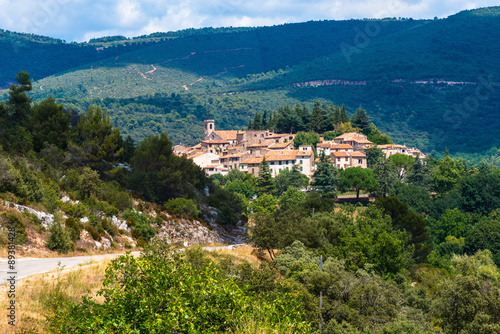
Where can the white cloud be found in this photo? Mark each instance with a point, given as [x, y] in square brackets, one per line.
[80, 19]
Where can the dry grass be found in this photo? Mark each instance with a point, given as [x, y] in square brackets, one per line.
[33, 293]
[241, 254]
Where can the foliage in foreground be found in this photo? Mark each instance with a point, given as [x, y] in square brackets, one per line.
[162, 291]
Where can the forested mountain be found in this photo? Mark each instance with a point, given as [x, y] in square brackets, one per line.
[428, 83]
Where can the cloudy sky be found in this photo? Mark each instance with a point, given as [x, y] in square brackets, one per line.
[80, 20]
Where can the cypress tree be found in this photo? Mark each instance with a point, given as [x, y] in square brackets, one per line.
[344, 118]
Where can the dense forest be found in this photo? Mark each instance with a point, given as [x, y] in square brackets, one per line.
[422, 258]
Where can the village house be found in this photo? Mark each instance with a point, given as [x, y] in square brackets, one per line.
[358, 141]
[205, 159]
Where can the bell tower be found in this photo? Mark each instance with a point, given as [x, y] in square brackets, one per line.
[209, 127]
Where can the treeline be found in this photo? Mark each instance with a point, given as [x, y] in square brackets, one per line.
[327, 119]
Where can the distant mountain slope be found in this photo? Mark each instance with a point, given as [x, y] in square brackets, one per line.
[430, 83]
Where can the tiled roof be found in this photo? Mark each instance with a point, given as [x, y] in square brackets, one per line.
[390, 146]
[215, 142]
[323, 145]
[361, 141]
[279, 145]
[216, 166]
[340, 154]
[255, 160]
[265, 143]
[357, 154]
[227, 135]
[350, 135]
[335, 145]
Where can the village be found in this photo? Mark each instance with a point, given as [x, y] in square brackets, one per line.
[221, 151]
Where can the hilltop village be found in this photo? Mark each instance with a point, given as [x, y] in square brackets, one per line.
[221, 151]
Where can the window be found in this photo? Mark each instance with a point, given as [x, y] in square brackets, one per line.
[301, 162]
[287, 162]
[346, 159]
[338, 159]
[301, 168]
[280, 162]
[210, 126]
[253, 170]
[360, 161]
[272, 162]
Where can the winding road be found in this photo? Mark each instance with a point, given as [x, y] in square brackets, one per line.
[26, 267]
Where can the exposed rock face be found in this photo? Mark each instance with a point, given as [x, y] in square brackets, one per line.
[46, 218]
[180, 230]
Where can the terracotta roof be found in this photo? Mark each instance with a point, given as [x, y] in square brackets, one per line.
[350, 135]
[215, 141]
[265, 143]
[281, 155]
[255, 160]
[196, 155]
[323, 145]
[361, 141]
[340, 154]
[357, 154]
[227, 135]
[335, 145]
[280, 145]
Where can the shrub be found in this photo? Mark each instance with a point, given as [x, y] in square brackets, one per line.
[184, 206]
[60, 239]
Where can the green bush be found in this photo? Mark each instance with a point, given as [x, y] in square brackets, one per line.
[183, 206]
[140, 225]
[60, 239]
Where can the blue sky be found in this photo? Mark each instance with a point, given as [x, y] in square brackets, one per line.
[80, 20]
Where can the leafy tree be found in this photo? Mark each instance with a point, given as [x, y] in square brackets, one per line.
[290, 178]
[446, 175]
[408, 221]
[371, 239]
[291, 198]
[485, 235]
[240, 187]
[306, 138]
[265, 203]
[89, 183]
[265, 182]
[455, 223]
[417, 198]
[402, 163]
[377, 137]
[469, 303]
[480, 193]
[264, 233]
[325, 178]
[386, 175]
[357, 178]
[361, 120]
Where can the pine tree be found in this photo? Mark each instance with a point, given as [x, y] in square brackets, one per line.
[264, 120]
[265, 182]
[361, 120]
[257, 122]
[250, 125]
[419, 174]
[317, 118]
[326, 178]
[336, 116]
[344, 118]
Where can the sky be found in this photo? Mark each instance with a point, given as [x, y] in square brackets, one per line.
[80, 20]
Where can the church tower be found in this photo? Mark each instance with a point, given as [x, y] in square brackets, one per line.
[209, 127]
